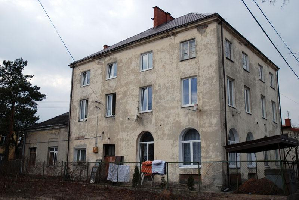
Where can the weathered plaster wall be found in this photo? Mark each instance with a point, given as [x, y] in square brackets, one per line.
[43, 139]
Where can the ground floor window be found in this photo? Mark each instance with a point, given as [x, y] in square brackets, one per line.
[109, 150]
[233, 158]
[251, 158]
[32, 156]
[146, 147]
[81, 155]
[53, 155]
[191, 147]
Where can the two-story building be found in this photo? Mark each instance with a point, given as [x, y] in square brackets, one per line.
[178, 92]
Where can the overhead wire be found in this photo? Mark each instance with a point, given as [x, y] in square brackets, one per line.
[56, 30]
[291, 52]
[270, 39]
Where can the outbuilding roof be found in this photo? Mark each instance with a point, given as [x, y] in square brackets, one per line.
[60, 120]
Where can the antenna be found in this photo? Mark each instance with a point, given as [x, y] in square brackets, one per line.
[288, 113]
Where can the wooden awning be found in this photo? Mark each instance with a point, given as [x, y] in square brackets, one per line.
[263, 144]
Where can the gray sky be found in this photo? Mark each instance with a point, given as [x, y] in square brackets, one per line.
[86, 25]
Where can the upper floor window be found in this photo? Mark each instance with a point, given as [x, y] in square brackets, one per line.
[146, 61]
[146, 99]
[247, 99]
[230, 92]
[83, 109]
[110, 104]
[111, 70]
[188, 49]
[261, 73]
[228, 49]
[273, 111]
[271, 80]
[189, 89]
[263, 106]
[245, 61]
[85, 78]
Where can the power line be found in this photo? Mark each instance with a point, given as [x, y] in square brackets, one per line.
[56, 30]
[290, 99]
[291, 52]
[270, 39]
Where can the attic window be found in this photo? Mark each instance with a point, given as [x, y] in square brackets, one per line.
[188, 49]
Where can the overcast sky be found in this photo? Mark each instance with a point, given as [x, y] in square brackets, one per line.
[86, 25]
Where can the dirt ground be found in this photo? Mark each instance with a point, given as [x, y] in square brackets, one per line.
[28, 187]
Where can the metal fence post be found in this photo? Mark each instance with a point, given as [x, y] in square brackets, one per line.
[43, 168]
[87, 168]
[167, 174]
[198, 177]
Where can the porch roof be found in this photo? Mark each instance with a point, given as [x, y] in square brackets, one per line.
[263, 144]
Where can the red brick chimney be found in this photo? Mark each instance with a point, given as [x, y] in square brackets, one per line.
[106, 46]
[161, 17]
[287, 122]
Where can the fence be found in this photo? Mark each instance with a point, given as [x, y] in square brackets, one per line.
[280, 176]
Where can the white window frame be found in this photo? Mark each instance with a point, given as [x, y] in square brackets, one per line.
[112, 72]
[247, 99]
[79, 151]
[147, 148]
[261, 73]
[245, 62]
[230, 92]
[274, 115]
[251, 157]
[236, 156]
[189, 49]
[85, 78]
[145, 89]
[271, 80]
[191, 152]
[189, 92]
[146, 66]
[228, 49]
[83, 111]
[263, 106]
[55, 153]
[109, 103]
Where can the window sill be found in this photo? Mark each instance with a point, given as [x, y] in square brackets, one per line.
[82, 120]
[229, 59]
[85, 85]
[262, 80]
[189, 167]
[232, 106]
[111, 78]
[246, 70]
[181, 60]
[145, 111]
[274, 122]
[110, 116]
[272, 87]
[187, 105]
[249, 113]
[146, 70]
[251, 167]
[264, 118]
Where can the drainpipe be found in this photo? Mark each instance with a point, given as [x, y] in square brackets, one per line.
[278, 92]
[69, 122]
[224, 91]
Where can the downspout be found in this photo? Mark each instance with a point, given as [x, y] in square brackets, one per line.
[278, 92]
[224, 91]
[69, 122]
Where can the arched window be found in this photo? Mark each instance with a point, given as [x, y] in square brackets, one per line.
[191, 147]
[146, 144]
[251, 158]
[233, 138]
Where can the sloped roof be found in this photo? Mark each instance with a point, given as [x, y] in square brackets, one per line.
[174, 24]
[60, 120]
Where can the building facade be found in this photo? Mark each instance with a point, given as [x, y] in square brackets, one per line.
[178, 92]
[46, 142]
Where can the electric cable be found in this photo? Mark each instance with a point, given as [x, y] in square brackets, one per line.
[291, 52]
[56, 31]
[270, 39]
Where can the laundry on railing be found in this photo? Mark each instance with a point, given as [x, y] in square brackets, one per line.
[118, 173]
[158, 167]
[146, 168]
